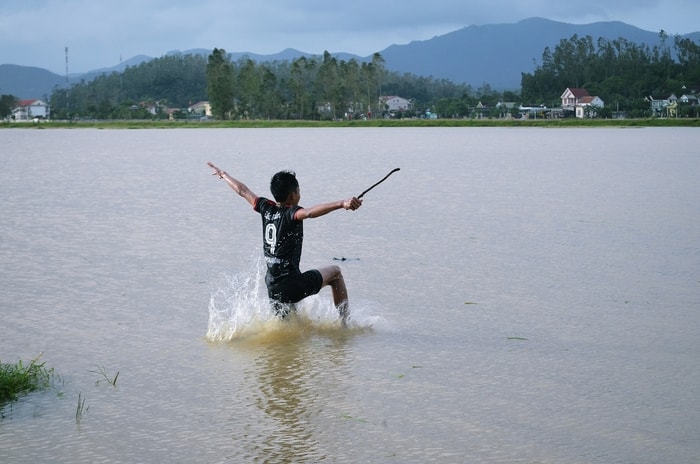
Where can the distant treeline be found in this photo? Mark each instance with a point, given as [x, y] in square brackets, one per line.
[305, 88]
[620, 72]
[177, 80]
[623, 74]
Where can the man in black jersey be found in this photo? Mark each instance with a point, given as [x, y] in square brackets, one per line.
[283, 236]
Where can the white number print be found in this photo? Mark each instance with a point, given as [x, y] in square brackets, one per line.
[271, 237]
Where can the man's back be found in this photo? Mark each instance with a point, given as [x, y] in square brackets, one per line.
[283, 237]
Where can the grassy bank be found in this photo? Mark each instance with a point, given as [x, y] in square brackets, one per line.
[553, 123]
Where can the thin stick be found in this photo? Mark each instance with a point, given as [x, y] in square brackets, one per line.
[385, 177]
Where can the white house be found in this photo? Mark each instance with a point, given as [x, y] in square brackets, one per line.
[505, 108]
[658, 106]
[571, 96]
[692, 99]
[668, 107]
[580, 102]
[586, 107]
[202, 108]
[394, 103]
[31, 109]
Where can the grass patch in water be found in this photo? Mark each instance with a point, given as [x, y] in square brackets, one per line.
[105, 378]
[20, 378]
[81, 409]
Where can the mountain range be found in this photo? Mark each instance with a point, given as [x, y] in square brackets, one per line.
[493, 54]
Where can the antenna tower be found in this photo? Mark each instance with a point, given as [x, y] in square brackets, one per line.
[66, 65]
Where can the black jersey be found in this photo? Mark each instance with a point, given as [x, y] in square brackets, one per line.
[282, 239]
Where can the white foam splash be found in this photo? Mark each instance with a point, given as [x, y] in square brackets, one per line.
[239, 308]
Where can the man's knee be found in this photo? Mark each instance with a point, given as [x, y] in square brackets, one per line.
[337, 273]
[331, 274]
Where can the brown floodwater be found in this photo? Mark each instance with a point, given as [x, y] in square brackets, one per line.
[517, 295]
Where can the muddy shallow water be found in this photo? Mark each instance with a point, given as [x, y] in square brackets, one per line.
[517, 295]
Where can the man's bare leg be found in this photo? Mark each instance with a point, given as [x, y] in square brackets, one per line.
[334, 277]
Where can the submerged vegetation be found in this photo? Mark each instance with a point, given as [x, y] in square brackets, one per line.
[20, 378]
[106, 378]
[81, 408]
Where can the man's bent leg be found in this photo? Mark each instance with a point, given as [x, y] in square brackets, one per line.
[334, 277]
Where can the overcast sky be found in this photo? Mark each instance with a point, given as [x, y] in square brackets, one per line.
[100, 33]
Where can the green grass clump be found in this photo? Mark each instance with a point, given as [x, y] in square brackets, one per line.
[20, 378]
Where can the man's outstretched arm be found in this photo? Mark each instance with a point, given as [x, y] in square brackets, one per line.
[325, 208]
[238, 186]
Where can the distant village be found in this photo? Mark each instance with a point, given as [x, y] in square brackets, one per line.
[575, 102]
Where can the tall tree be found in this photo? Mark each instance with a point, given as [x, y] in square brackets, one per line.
[7, 104]
[374, 75]
[689, 60]
[272, 100]
[328, 83]
[220, 84]
[248, 88]
[296, 84]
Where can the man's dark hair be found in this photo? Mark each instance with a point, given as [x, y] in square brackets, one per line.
[282, 184]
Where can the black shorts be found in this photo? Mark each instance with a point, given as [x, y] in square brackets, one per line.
[296, 288]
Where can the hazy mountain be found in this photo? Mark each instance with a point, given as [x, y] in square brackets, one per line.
[135, 61]
[28, 82]
[288, 54]
[495, 54]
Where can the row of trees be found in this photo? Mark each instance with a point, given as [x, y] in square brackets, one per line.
[304, 88]
[622, 73]
[176, 80]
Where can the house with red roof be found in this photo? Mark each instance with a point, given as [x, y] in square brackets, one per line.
[587, 105]
[27, 110]
[578, 101]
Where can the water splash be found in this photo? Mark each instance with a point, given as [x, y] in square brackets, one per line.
[240, 309]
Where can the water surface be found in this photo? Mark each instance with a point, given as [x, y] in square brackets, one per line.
[518, 295]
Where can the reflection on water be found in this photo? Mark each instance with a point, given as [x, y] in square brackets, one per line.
[298, 369]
